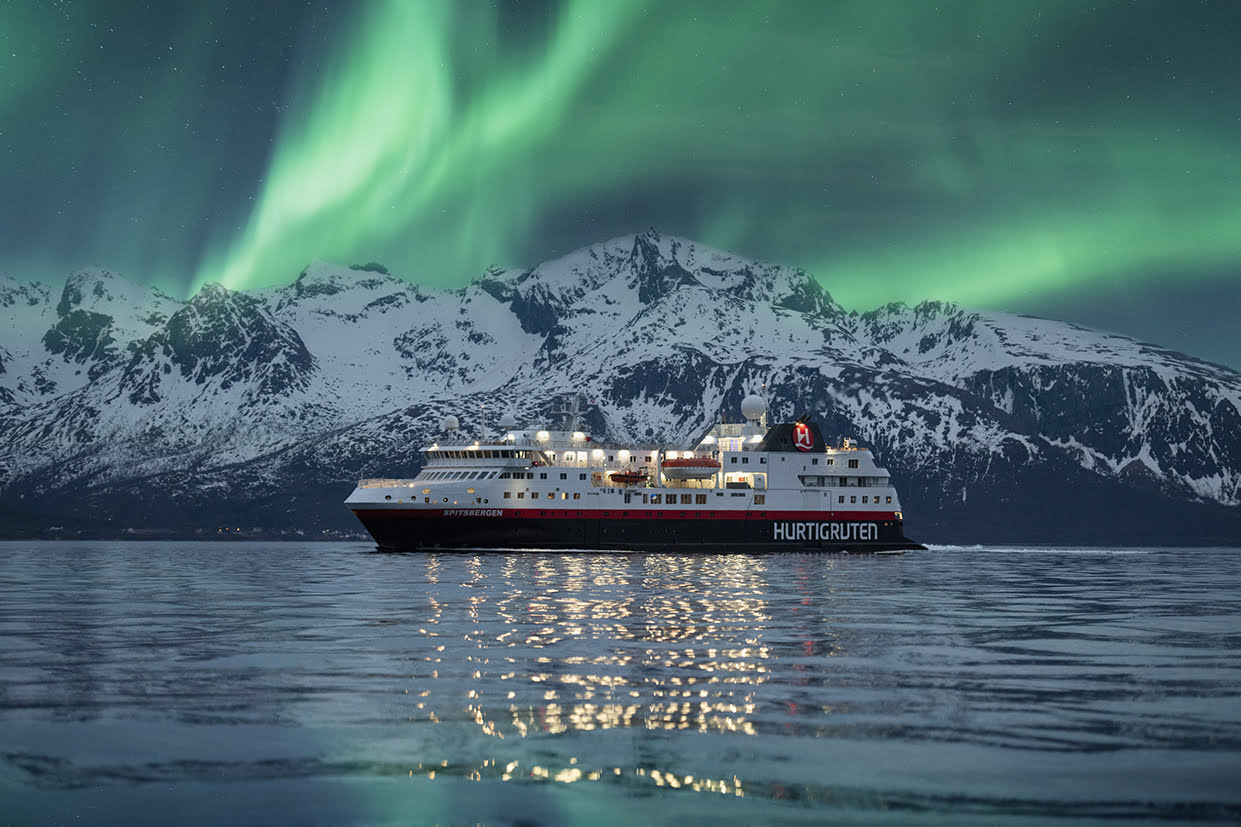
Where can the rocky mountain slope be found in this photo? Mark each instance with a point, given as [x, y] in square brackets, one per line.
[122, 408]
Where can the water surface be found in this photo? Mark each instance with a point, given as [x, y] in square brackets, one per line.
[325, 683]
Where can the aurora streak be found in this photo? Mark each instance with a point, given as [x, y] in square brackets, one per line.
[1000, 155]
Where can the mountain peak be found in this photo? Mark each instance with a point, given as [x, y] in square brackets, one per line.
[99, 290]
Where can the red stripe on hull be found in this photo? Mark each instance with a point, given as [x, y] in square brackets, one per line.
[652, 513]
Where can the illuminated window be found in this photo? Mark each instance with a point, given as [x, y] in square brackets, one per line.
[760, 499]
[656, 499]
[889, 499]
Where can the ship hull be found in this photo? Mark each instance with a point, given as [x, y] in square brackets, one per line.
[396, 529]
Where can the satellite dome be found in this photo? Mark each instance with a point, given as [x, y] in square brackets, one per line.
[753, 407]
[508, 421]
[450, 423]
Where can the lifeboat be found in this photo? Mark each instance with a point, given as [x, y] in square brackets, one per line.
[627, 477]
[689, 468]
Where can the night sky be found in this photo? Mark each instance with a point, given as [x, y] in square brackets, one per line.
[1063, 158]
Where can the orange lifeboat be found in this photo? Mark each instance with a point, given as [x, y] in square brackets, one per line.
[627, 477]
[689, 468]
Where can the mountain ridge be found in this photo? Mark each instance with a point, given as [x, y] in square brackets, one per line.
[139, 403]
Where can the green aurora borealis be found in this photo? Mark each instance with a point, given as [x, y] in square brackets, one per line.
[1078, 160]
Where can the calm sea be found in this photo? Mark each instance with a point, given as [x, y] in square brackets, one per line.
[327, 683]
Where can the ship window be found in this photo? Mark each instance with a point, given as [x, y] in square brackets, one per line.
[733, 460]
[534, 495]
[700, 499]
[521, 495]
[866, 499]
[889, 499]
[841, 499]
[646, 459]
[763, 460]
[686, 499]
[581, 476]
[577, 495]
[853, 463]
[564, 495]
[508, 495]
[543, 475]
[853, 499]
[760, 499]
[564, 476]
[387, 496]
[656, 499]
[745, 460]
[426, 499]
[550, 495]
[831, 460]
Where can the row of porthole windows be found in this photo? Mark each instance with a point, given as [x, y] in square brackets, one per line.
[534, 495]
[865, 499]
[428, 499]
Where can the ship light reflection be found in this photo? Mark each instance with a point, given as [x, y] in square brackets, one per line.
[590, 643]
[574, 773]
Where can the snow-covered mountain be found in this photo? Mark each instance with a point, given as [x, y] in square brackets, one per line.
[122, 407]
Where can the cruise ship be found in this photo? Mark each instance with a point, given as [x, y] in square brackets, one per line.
[743, 488]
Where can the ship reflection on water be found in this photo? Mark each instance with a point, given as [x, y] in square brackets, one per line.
[609, 642]
[326, 683]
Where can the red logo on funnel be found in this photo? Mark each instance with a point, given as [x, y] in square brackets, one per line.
[802, 437]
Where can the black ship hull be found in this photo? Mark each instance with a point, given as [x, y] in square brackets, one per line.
[471, 529]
